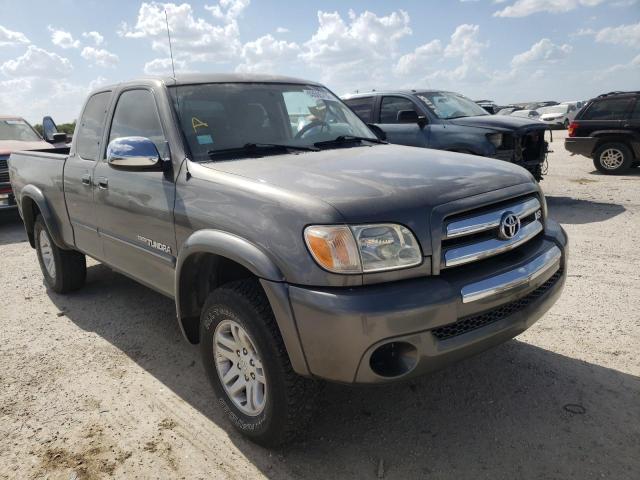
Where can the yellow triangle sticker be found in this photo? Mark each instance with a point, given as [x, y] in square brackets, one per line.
[196, 124]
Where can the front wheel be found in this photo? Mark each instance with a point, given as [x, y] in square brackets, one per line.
[566, 123]
[248, 366]
[613, 158]
[63, 270]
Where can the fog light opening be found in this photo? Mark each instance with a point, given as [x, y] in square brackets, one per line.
[393, 359]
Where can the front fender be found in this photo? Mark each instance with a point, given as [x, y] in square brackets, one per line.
[255, 260]
[31, 193]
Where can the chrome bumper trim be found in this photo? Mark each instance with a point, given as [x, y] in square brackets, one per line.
[488, 287]
[488, 248]
[489, 220]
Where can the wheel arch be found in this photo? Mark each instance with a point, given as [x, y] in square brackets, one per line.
[32, 204]
[210, 258]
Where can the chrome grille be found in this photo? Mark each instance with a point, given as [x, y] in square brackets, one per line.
[4, 170]
[475, 236]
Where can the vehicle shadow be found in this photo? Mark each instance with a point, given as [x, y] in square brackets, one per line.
[517, 411]
[11, 228]
[568, 210]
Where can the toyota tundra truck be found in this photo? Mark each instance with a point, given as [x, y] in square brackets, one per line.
[297, 245]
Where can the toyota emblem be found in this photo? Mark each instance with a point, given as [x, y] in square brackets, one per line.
[509, 226]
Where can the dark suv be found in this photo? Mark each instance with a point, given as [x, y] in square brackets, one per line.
[450, 121]
[607, 129]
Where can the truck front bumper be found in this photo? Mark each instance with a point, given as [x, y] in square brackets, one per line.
[581, 145]
[386, 332]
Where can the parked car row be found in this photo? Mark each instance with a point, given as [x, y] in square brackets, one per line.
[449, 121]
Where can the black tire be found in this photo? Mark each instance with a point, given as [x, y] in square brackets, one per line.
[604, 149]
[70, 265]
[290, 398]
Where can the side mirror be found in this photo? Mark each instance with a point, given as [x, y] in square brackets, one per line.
[411, 116]
[133, 153]
[60, 137]
[49, 130]
[377, 131]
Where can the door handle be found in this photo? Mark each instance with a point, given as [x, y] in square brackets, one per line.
[103, 183]
[86, 180]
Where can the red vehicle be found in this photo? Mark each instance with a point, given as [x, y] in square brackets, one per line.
[17, 134]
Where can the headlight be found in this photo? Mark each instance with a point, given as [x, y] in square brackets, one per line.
[363, 248]
[495, 139]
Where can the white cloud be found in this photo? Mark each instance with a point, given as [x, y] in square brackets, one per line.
[33, 97]
[464, 44]
[162, 66]
[619, 71]
[9, 37]
[544, 51]
[62, 38]
[266, 53]
[628, 35]
[344, 51]
[523, 8]
[193, 38]
[99, 56]
[419, 59]
[228, 10]
[282, 30]
[95, 37]
[37, 62]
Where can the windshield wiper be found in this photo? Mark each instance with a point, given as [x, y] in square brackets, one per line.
[348, 139]
[255, 147]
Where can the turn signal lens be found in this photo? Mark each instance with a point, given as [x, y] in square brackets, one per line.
[334, 248]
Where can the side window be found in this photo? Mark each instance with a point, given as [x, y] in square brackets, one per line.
[391, 106]
[636, 110]
[136, 116]
[362, 107]
[91, 126]
[609, 109]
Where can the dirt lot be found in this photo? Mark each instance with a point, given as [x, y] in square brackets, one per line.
[101, 383]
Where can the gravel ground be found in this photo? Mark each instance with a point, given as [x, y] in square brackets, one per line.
[100, 383]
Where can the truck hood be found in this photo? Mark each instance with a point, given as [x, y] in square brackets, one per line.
[363, 183]
[8, 146]
[503, 122]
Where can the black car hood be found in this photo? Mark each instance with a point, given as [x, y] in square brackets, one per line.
[502, 122]
[362, 181]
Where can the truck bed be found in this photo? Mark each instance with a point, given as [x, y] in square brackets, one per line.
[42, 170]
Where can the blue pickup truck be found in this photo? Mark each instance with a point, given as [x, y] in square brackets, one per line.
[449, 121]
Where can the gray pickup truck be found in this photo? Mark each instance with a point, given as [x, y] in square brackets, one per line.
[298, 246]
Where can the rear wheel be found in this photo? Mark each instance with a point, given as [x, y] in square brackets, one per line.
[613, 158]
[248, 366]
[63, 270]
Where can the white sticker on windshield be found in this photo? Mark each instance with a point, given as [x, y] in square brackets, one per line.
[319, 94]
[15, 122]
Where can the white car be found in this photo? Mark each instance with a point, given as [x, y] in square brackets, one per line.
[558, 115]
[532, 114]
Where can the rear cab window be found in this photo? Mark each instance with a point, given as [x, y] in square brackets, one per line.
[608, 109]
[362, 107]
[91, 126]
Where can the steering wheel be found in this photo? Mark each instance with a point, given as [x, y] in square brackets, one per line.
[309, 126]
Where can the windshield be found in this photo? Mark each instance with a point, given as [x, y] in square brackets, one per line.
[17, 129]
[554, 109]
[448, 105]
[222, 116]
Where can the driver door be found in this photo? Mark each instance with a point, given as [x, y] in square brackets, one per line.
[411, 134]
[135, 208]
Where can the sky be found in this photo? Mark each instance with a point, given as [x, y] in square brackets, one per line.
[53, 53]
